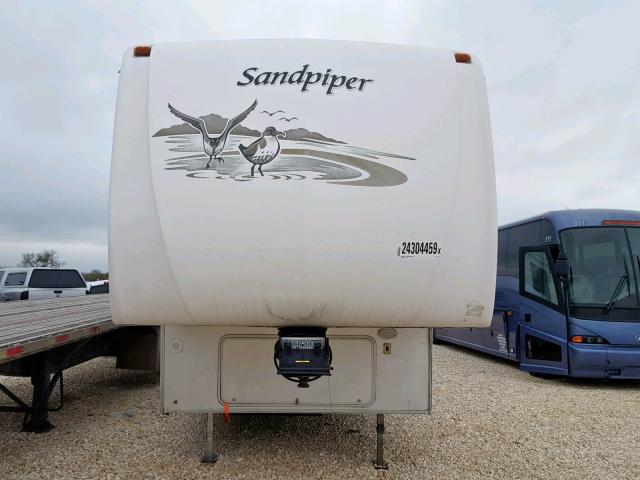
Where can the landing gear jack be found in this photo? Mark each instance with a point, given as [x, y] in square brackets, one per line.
[379, 463]
[209, 455]
[36, 416]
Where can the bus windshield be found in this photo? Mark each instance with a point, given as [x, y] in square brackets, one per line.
[604, 265]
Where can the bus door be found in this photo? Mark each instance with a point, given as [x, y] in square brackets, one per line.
[542, 336]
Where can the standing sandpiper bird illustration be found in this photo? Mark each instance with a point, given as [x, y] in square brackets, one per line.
[263, 150]
[213, 144]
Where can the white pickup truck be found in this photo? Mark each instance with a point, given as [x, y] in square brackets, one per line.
[37, 283]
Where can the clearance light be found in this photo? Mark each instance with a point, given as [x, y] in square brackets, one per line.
[462, 57]
[142, 51]
[588, 339]
[635, 223]
[13, 351]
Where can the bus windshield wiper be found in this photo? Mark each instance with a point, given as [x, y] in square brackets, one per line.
[624, 278]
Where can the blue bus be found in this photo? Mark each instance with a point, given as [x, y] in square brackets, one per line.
[567, 296]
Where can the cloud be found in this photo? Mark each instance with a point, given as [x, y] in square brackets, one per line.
[57, 95]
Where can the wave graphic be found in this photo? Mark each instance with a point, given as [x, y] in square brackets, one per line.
[337, 164]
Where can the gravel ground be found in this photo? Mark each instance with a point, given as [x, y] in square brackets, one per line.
[489, 421]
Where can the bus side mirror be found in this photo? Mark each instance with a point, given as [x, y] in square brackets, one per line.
[561, 268]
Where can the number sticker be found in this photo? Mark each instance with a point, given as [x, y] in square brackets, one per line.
[411, 249]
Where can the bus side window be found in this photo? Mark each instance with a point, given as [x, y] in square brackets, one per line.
[526, 235]
[538, 277]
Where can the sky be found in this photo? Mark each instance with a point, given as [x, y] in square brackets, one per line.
[563, 80]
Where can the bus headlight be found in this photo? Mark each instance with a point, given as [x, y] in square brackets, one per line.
[588, 339]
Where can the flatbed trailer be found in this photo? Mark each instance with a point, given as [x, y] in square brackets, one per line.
[30, 327]
[41, 338]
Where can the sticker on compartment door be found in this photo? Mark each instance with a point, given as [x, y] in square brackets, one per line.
[175, 345]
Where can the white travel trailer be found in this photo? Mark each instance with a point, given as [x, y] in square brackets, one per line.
[297, 215]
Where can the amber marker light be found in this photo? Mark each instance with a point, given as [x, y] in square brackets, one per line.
[142, 51]
[634, 223]
[462, 57]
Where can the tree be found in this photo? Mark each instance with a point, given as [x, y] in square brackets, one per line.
[95, 274]
[45, 258]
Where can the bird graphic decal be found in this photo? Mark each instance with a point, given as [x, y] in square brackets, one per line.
[288, 119]
[213, 144]
[271, 114]
[263, 150]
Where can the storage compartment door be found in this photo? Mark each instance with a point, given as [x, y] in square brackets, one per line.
[248, 375]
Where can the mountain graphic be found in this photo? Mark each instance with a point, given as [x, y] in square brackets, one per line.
[216, 123]
[304, 134]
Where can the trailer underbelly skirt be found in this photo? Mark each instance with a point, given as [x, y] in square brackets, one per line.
[216, 369]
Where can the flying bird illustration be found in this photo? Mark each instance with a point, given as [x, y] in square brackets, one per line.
[213, 144]
[271, 114]
[288, 119]
[263, 150]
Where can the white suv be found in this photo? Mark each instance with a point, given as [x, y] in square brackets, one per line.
[36, 283]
